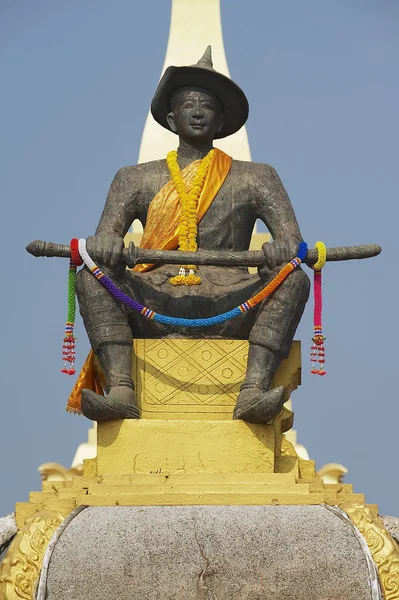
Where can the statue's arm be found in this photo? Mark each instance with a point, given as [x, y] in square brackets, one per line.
[274, 208]
[120, 210]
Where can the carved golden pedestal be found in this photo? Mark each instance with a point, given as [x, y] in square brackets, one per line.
[186, 449]
[197, 379]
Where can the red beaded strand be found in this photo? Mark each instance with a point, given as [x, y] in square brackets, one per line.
[75, 256]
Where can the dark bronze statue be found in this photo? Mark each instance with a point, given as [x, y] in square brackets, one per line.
[199, 105]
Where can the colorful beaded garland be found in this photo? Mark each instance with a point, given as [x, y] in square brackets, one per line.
[317, 350]
[176, 321]
[68, 347]
[79, 256]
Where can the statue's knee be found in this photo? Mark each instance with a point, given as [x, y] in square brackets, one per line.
[83, 281]
[301, 283]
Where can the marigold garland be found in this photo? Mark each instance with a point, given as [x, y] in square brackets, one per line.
[188, 228]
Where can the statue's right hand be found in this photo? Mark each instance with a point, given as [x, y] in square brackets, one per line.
[105, 250]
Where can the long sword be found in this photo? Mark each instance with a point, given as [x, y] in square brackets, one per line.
[133, 255]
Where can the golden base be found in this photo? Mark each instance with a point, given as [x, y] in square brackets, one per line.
[171, 462]
[187, 449]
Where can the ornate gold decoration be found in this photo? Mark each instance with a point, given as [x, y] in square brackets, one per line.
[20, 570]
[383, 548]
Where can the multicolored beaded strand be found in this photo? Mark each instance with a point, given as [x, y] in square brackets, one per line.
[79, 256]
[317, 351]
[176, 321]
[68, 347]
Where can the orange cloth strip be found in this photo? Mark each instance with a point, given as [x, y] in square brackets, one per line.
[161, 233]
[90, 378]
[162, 227]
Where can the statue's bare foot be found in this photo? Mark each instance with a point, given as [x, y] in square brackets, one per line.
[120, 403]
[258, 406]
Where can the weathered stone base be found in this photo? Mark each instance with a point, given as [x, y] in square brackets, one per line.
[210, 553]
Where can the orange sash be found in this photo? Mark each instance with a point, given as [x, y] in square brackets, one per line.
[162, 233]
[162, 227]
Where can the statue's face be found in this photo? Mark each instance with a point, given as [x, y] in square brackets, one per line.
[196, 115]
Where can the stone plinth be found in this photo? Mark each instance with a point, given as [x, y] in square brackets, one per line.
[208, 553]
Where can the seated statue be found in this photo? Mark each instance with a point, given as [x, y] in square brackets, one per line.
[200, 199]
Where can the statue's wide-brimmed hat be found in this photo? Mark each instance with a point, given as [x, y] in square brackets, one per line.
[202, 75]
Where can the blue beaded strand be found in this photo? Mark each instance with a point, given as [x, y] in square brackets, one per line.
[206, 322]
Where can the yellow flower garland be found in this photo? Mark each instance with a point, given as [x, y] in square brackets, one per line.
[188, 228]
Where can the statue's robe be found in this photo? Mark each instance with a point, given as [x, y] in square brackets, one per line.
[250, 191]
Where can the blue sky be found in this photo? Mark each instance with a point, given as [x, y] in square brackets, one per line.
[321, 79]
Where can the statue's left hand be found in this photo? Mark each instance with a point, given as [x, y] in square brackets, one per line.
[277, 254]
